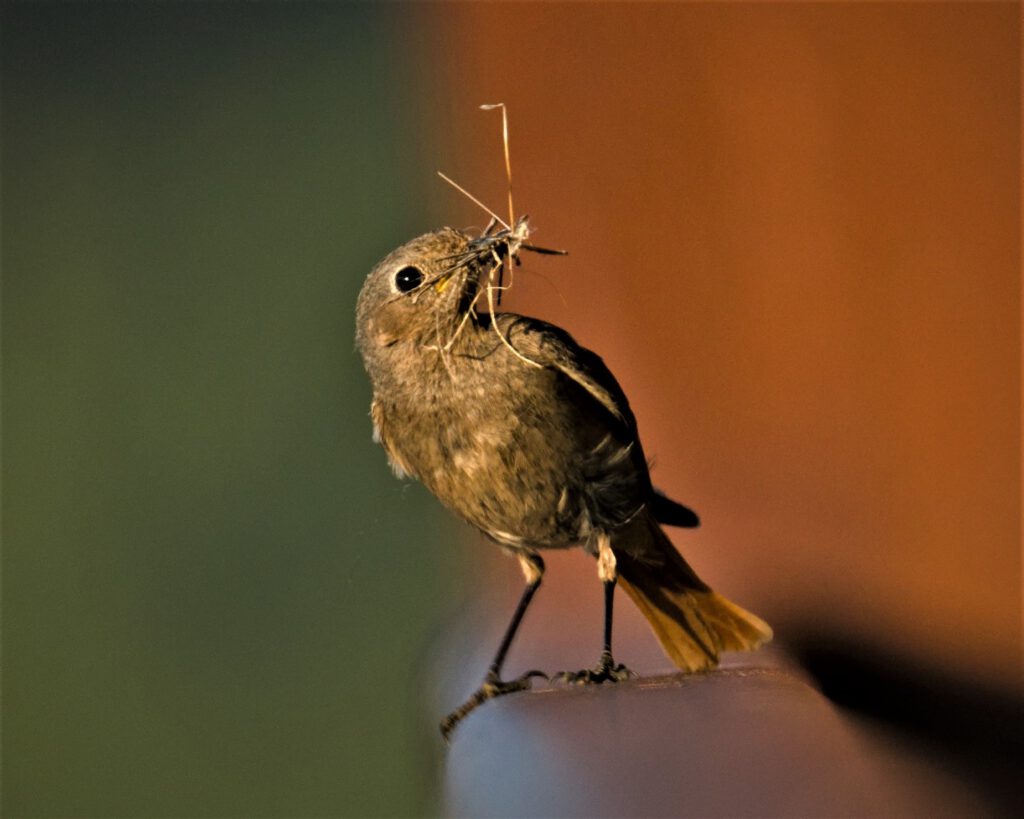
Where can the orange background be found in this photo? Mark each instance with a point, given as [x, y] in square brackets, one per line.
[794, 237]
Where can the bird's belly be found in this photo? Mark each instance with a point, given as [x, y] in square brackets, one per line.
[515, 478]
[528, 459]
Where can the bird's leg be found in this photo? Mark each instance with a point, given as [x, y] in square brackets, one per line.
[493, 686]
[606, 670]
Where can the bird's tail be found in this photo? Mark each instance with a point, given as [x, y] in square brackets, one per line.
[692, 623]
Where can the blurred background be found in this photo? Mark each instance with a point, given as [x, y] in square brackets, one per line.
[794, 237]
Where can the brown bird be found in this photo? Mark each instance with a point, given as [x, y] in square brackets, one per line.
[527, 435]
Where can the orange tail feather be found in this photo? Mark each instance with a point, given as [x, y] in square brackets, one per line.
[692, 623]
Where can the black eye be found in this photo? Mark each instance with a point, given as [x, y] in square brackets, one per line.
[408, 279]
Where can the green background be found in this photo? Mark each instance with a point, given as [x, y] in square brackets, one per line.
[217, 601]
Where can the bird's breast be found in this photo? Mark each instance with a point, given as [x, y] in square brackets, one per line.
[501, 454]
[523, 453]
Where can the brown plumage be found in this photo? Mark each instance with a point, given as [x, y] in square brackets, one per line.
[528, 436]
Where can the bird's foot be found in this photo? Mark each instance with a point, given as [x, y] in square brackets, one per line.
[607, 670]
[492, 687]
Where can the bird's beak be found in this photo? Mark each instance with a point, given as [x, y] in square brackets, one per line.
[442, 283]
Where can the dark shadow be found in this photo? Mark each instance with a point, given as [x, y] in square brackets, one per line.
[975, 730]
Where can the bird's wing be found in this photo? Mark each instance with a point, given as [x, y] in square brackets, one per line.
[380, 436]
[550, 346]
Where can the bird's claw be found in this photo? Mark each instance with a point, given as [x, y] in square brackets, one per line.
[607, 670]
[491, 687]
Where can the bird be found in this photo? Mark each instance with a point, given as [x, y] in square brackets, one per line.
[527, 435]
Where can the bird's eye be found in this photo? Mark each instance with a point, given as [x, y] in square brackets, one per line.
[408, 279]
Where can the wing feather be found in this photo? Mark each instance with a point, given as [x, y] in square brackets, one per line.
[552, 347]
